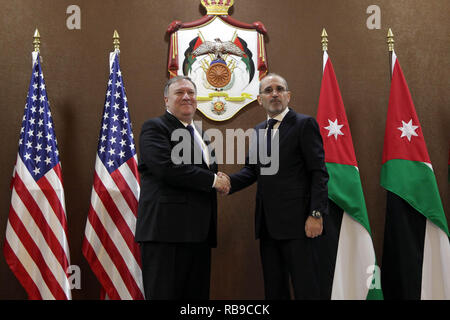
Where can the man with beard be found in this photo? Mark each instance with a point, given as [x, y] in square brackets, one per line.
[291, 202]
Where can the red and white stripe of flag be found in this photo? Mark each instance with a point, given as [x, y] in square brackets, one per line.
[36, 247]
[109, 244]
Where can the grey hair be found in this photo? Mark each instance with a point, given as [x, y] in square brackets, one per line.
[273, 75]
[175, 79]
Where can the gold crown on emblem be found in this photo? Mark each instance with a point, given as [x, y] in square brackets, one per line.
[217, 7]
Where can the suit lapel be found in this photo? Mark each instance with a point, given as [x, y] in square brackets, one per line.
[176, 124]
[285, 125]
[282, 131]
[286, 120]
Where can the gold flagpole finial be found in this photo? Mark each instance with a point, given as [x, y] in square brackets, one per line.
[324, 40]
[36, 40]
[390, 40]
[116, 41]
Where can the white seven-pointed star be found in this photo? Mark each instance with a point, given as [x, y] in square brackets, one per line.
[334, 129]
[408, 130]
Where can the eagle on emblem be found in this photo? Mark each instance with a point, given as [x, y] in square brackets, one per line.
[218, 48]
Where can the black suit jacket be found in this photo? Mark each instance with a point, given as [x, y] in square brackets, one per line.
[177, 202]
[288, 197]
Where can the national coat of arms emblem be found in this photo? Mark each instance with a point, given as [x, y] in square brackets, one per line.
[224, 57]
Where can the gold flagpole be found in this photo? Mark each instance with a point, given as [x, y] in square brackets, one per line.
[37, 44]
[391, 44]
[116, 40]
[36, 40]
[324, 40]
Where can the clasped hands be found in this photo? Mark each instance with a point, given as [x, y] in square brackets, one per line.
[222, 184]
[313, 226]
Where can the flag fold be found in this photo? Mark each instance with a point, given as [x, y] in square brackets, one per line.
[109, 244]
[348, 239]
[416, 253]
[36, 246]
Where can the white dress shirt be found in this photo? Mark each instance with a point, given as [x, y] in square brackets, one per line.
[199, 140]
[280, 118]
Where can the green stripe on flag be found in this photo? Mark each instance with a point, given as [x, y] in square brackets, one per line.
[415, 183]
[345, 189]
[375, 294]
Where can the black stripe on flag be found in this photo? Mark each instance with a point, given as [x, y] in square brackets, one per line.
[328, 248]
[404, 239]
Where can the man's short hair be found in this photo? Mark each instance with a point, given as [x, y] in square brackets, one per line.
[175, 79]
[273, 75]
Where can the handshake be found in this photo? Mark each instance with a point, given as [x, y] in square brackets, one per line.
[222, 184]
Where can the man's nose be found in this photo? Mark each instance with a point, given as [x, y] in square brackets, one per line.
[186, 96]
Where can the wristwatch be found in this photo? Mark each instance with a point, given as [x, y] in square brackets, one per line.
[316, 214]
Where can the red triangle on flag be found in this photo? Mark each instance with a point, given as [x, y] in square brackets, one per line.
[403, 137]
[334, 128]
[197, 43]
[239, 44]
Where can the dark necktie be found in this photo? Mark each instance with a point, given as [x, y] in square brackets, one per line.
[191, 130]
[270, 125]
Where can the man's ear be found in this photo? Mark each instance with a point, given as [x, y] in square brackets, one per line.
[166, 99]
[259, 99]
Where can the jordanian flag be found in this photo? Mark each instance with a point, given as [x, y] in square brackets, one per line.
[356, 274]
[416, 253]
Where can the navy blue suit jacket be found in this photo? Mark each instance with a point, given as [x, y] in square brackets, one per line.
[288, 197]
[177, 202]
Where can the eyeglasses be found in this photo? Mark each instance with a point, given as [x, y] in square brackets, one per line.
[270, 90]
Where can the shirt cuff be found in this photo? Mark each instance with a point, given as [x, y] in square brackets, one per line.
[215, 179]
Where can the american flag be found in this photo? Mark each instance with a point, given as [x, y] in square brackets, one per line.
[109, 244]
[36, 247]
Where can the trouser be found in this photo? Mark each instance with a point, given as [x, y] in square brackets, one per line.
[294, 259]
[174, 271]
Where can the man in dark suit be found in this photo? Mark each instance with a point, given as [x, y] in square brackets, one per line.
[177, 213]
[291, 201]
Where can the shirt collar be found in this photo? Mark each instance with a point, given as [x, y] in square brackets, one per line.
[280, 116]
